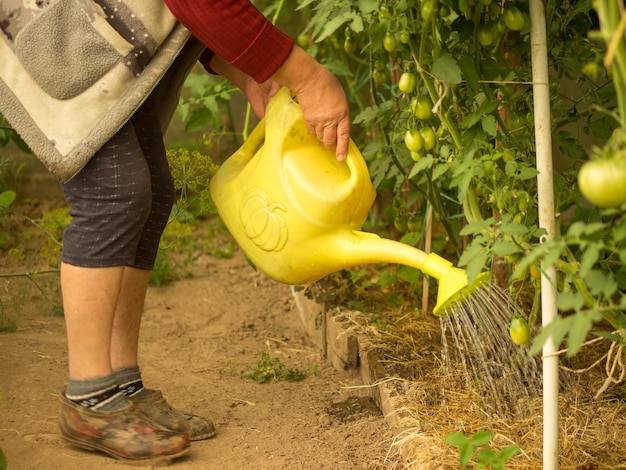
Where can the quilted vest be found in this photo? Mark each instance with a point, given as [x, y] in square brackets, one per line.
[72, 72]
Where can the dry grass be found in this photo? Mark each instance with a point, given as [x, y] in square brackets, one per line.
[438, 401]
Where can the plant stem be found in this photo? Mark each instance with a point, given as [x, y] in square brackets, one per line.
[30, 274]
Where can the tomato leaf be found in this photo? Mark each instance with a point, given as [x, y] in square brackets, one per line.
[489, 125]
[337, 67]
[567, 301]
[368, 6]
[589, 258]
[409, 274]
[481, 438]
[580, 327]
[199, 118]
[504, 248]
[421, 165]
[468, 67]
[446, 69]
[600, 282]
[6, 199]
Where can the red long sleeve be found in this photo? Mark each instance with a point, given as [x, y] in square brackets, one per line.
[236, 31]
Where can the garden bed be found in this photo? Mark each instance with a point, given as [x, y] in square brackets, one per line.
[423, 401]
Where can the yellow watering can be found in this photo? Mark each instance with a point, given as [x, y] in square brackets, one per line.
[297, 212]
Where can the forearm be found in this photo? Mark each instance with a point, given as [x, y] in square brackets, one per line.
[236, 31]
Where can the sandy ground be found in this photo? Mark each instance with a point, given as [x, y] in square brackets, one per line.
[198, 336]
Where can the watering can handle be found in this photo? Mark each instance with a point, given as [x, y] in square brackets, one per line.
[356, 164]
[253, 142]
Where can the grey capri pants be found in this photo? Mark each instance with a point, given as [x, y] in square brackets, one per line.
[121, 200]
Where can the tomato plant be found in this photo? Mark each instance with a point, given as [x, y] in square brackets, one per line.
[473, 90]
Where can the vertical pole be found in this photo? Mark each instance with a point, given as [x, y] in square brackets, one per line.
[545, 184]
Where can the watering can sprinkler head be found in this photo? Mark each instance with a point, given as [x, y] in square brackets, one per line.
[453, 288]
[453, 282]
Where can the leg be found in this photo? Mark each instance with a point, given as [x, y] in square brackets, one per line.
[125, 338]
[125, 333]
[89, 298]
[110, 201]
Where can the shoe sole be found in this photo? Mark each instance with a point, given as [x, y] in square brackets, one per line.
[155, 461]
[202, 437]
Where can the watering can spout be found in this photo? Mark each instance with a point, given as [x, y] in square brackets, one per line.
[365, 248]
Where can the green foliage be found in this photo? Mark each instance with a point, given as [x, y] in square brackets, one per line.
[192, 171]
[3, 461]
[207, 106]
[53, 222]
[480, 176]
[7, 198]
[270, 369]
[477, 447]
[180, 246]
[471, 85]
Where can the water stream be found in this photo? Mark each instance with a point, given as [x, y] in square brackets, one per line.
[475, 335]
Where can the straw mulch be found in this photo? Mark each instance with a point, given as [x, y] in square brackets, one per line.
[438, 401]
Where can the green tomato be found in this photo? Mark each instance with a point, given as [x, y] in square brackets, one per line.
[400, 223]
[349, 45]
[379, 76]
[380, 65]
[413, 140]
[519, 331]
[603, 182]
[407, 82]
[508, 155]
[590, 69]
[413, 224]
[428, 138]
[517, 123]
[405, 36]
[427, 11]
[422, 107]
[303, 40]
[389, 41]
[384, 12]
[514, 18]
[487, 34]
[417, 156]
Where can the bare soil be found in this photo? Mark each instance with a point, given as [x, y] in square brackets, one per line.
[200, 337]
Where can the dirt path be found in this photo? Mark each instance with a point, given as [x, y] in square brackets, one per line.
[198, 335]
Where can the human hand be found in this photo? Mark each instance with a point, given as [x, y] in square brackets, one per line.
[321, 98]
[259, 94]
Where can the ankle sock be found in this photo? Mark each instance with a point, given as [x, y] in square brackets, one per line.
[130, 383]
[98, 393]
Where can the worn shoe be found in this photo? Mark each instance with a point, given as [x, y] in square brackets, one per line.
[124, 434]
[156, 408]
